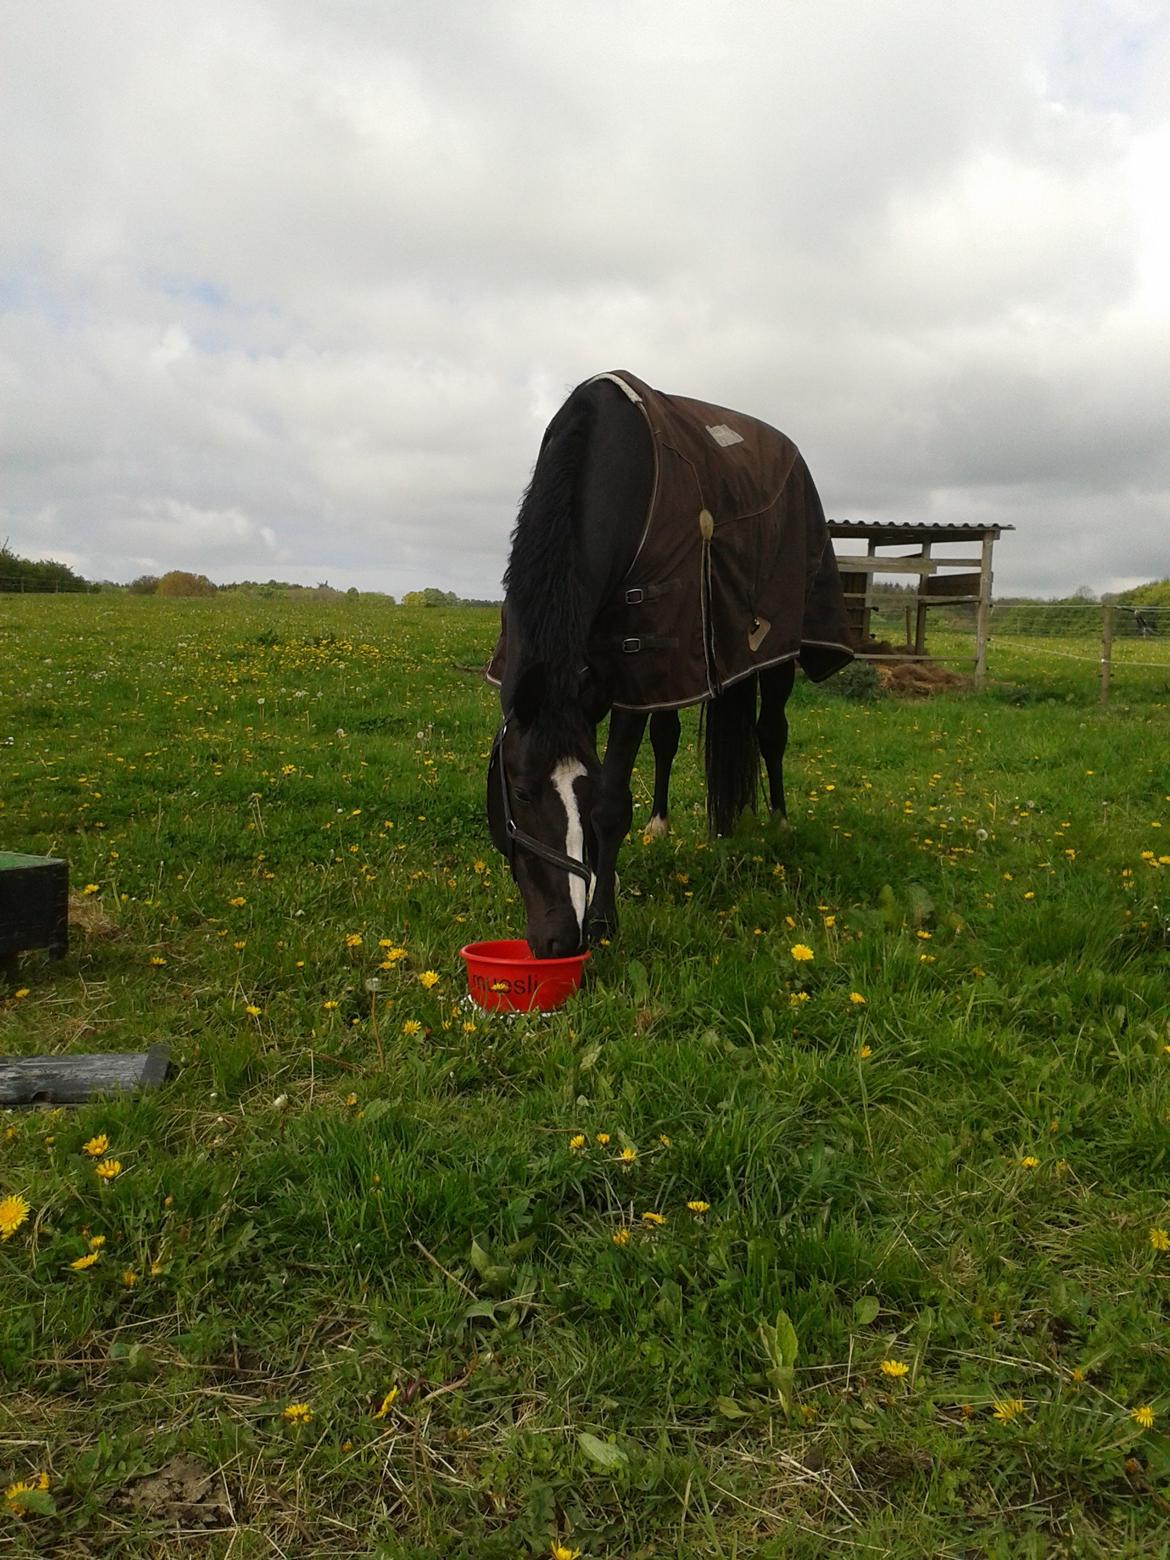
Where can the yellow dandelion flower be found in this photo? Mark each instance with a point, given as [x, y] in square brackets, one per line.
[1160, 1240]
[923, 934]
[238, 901]
[90, 888]
[864, 1051]
[562, 1552]
[129, 1278]
[387, 1403]
[602, 1138]
[354, 940]
[628, 1155]
[697, 1205]
[857, 999]
[801, 952]
[392, 954]
[96, 1242]
[664, 1139]
[1029, 1162]
[14, 1495]
[1143, 1416]
[96, 1146]
[329, 1005]
[797, 998]
[13, 1212]
[621, 1237]
[297, 1413]
[1007, 1409]
[253, 1011]
[108, 1169]
[577, 1142]
[429, 978]
[79, 1264]
[894, 1368]
[656, 1219]
[1076, 1375]
[157, 960]
[411, 1026]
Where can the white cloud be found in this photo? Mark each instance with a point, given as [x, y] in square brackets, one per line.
[291, 289]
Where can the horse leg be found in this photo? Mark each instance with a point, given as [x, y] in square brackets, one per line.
[612, 814]
[664, 733]
[772, 730]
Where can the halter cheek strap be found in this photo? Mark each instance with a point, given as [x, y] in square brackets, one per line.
[514, 835]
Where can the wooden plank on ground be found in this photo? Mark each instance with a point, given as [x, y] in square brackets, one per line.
[71, 1080]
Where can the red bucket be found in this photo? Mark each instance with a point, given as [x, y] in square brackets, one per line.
[505, 975]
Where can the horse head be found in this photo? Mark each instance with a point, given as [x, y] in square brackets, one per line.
[542, 783]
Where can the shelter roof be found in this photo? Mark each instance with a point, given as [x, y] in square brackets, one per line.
[895, 533]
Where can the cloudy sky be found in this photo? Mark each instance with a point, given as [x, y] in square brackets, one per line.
[290, 289]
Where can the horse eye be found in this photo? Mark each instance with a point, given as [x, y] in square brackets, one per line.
[519, 794]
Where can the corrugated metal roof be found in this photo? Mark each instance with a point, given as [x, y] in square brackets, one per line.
[895, 531]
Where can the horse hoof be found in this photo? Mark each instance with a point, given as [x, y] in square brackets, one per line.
[655, 829]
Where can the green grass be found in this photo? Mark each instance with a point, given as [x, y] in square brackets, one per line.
[960, 1173]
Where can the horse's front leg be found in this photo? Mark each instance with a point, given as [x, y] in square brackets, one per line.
[664, 733]
[772, 730]
[612, 815]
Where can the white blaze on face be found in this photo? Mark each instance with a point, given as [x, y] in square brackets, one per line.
[563, 775]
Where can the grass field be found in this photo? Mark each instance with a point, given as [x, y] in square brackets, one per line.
[740, 1255]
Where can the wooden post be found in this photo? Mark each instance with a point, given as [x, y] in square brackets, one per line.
[1106, 649]
[983, 612]
[920, 615]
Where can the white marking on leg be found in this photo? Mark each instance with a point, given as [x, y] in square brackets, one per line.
[563, 776]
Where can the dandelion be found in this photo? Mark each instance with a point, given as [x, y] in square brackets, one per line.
[801, 952]
[1077, 1375]
[238, 901]
[602, 1138]
[14, 1495]
[96, 1146]
[351, 1099]
[353, 940]
[297, 1413]
[561, 1552]
[108, 1169]
[253, 1011]
[79, 1264]
[1143, 1417]
[894, 1368]
[1029, 1162]
[656, 1219]
[157, 960]
[864, 1050]
[96, 1242]
[577, 1142]
[387, 1403]
[22, 991]
[411, 1026]
[429, 978]
[1007, 1409]
[621, 1237]
[697, 1205]
[1160, 1240]
[129, 1278]
[329, 1005]
[664, 1140]
[391, 955]
[923, 934]
[90, 888]
[628, 1155]
[13, 1212]
[857, 999]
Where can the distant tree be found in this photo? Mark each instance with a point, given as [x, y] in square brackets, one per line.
[144, 585]
[22, 574]
[178, 582]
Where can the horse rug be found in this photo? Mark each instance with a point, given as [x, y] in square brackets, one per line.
[734, 571]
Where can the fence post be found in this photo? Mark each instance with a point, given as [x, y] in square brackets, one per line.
[983, 614]
[1106, 649]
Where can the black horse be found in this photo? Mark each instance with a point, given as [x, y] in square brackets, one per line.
[666, 552]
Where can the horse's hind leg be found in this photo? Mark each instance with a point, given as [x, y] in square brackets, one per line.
[664, 734]
[772, 729]
[612, 815]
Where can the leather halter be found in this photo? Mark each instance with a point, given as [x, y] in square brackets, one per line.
[513, 834]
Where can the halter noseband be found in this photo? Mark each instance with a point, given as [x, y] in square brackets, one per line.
[513, 834]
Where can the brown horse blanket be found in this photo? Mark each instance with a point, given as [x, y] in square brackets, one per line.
[734, 572]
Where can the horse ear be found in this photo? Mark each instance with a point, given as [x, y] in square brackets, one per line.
[528, 695]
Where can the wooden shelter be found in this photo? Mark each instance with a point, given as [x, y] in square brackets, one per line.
[942, 580]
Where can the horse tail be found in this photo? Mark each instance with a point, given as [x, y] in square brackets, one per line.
[731, 754]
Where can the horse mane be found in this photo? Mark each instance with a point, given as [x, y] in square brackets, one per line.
[544, 580]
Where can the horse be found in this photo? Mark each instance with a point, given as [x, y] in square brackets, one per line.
[666, 552]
